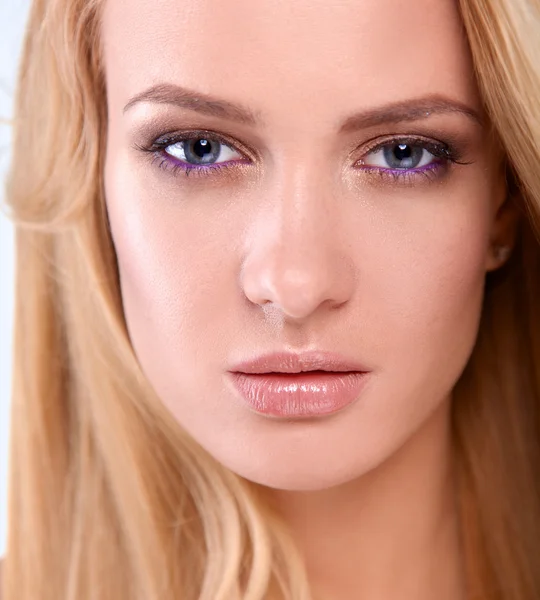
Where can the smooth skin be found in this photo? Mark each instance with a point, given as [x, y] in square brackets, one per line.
[308, 239]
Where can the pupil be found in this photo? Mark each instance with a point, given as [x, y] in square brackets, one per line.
[403, 151]
[201, 148]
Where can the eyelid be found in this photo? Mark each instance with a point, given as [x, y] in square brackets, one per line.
[164, 140]
[450, 152]
[432, 146]
[227, 152]
[169, 139]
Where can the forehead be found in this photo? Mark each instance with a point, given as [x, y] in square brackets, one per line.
[289, 59]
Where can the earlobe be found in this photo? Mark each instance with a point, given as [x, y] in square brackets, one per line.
[502, 253]
[504, 233]
[498, 255]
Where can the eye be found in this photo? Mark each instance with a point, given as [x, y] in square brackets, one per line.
[401, 156]
[407, 160]
[199, 151]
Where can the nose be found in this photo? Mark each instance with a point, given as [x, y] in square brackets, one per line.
[296, 260]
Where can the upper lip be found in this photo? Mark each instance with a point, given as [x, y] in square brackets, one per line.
[290, 362]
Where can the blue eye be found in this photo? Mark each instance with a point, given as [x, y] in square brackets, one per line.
[407, 159]
[194, 153]
[399, 156]
[199, 151]
[203, 153]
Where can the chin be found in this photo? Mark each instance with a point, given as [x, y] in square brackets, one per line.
[302, 482]
[303, 474]
[306, 480]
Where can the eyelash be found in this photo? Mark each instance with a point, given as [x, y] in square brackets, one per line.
[446, 154]
[157, 151]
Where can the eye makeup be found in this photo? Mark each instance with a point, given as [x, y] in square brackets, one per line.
[422, 158]
[161, 154]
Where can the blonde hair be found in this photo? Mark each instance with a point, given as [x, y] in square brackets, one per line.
[108, 498]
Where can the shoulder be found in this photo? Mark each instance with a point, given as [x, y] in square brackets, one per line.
[1, 579]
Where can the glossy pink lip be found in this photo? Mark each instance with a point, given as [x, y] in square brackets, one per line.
[312, 384]
[290, 362]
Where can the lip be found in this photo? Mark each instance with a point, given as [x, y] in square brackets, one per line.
[291, 362]
[288, 385]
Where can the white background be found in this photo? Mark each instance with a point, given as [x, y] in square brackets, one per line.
[13, 14]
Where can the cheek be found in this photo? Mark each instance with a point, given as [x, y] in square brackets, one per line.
[431, 282]
[425, 299]
[174, 278]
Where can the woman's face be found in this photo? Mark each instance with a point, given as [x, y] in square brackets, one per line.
[340, 195]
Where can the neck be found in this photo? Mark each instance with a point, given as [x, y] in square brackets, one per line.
[392, 533]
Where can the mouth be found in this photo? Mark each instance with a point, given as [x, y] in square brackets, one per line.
[299, 385]
[300, 375]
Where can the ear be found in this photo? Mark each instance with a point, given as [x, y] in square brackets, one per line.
[504, 228]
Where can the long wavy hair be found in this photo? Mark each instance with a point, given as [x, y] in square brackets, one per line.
[108, 498]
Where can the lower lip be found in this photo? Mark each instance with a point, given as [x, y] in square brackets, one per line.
[309, 394]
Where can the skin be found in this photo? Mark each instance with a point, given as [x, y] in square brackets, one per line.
[300, 246]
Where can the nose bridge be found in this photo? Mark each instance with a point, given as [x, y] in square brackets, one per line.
[301, 213]
[295, 257]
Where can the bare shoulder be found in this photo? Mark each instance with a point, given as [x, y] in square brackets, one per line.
[1, 580]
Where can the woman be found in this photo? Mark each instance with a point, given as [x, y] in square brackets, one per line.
[278, 328]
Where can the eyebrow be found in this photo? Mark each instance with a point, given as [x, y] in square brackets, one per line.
[414, 109]
[206, 104]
